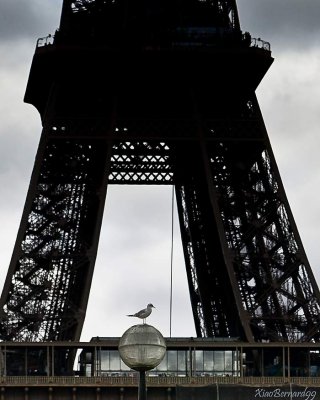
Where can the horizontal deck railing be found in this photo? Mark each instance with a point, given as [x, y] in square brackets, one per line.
[249, 42]
[172, 381]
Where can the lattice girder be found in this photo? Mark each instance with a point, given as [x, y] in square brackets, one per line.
[269, 263]
[158, 92]
[53, 257]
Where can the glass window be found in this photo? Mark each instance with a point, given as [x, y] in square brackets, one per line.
[88, 370]
[236, 362]
[208, 363]
[163, 366]
[182, 360]
[124, 366]
[228, 361]
[114, 360]
[219, 361]
[199, 360]
[172, 360]
[105, 360]
[88, 357]
[36, 361]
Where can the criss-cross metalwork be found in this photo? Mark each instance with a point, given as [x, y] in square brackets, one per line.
[158, 93]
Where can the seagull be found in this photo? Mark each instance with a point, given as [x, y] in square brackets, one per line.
[143, 314]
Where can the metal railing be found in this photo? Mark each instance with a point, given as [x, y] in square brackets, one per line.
[170, 381]
[247, 40]
[261, 44]
[45, 41]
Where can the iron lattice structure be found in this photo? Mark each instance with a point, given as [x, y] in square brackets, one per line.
[158, 92]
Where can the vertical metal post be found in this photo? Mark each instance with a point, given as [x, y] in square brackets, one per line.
[48, 361]
[142, 393]
[52, 362]
[5, 360]
[26, 361]
[94, 361]
[241, 362]
[283, 362]
[288, 350]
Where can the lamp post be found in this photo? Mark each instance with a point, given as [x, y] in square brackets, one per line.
[142, 347]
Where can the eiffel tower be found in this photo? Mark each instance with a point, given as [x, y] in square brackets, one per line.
[158, 92]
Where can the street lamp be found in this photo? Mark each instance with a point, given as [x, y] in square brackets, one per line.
[142, 347]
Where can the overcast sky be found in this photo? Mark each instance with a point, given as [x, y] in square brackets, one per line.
[133, 264]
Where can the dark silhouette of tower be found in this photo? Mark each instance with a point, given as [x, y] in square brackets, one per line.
[158, 92]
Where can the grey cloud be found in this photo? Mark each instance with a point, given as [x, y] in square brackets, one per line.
[285, 23]
[282, 22]
[20, 19]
